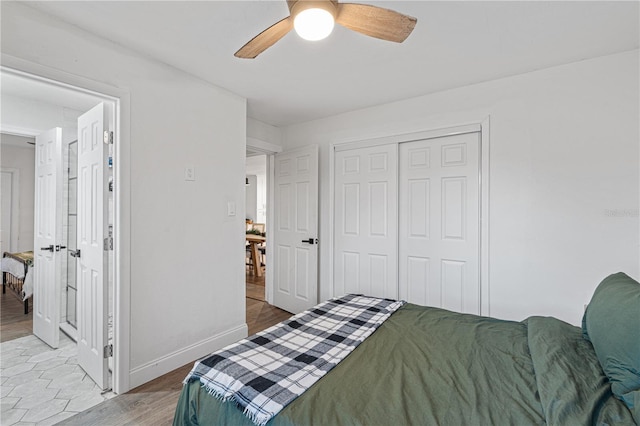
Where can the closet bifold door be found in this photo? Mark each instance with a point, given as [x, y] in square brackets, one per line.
[366, 222]
[439, 214]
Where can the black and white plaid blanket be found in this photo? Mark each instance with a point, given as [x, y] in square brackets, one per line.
[265, 372]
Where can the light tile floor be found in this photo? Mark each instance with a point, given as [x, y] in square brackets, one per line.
[43, 386]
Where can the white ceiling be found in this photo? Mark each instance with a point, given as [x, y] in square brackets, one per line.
[16, 87]
[454, 44]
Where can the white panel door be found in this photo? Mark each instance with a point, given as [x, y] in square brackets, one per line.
[365, 222]
[92, 210]
[439, 222]
[47, 237]
[294, 246]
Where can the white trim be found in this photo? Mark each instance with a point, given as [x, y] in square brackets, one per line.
[268, 284]
[484, 218]
[122, 245]
[30, 70]
[15, 206]
[396, 200]
[408, 137]
[18, 131]
[481, 127]
[262, 147]
[176, 359]
[332, 182]
[122, 199]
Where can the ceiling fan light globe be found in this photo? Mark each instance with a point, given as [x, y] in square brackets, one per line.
[313, 24]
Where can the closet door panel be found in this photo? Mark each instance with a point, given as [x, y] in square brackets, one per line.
[439, 213]
[365, 214]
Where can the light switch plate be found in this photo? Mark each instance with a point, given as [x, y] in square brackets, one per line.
[231, 208]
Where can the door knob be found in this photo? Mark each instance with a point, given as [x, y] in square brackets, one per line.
[58, 248]
[311, 241]
[50, 248]
[74, 253]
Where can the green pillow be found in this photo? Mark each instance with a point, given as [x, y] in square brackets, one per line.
[612, 324]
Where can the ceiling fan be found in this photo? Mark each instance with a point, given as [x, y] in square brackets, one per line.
[314, 20]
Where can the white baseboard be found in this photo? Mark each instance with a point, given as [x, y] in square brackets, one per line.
[158, 367]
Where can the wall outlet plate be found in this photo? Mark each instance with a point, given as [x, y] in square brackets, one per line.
[190, 173]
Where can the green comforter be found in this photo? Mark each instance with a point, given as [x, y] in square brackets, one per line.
[428, 366]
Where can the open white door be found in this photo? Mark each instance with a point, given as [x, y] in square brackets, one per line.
[47, 237]
[92, 259]
[295, 244]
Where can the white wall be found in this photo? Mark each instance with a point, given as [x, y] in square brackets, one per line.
[16, 153]
[263, 131]
[186, 273]
[564, 176]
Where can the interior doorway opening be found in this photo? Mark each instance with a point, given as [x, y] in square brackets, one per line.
[32, 105]
[256, 225]
[263, 153]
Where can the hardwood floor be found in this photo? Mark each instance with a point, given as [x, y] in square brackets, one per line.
[13, 322]
[255, 287]
[261, 315]
[154, 403]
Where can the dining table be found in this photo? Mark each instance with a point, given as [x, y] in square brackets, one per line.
[255, 240]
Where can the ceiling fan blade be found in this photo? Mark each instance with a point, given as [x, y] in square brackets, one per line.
[265, 39]
[375, 21]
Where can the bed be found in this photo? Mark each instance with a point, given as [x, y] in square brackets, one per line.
[17, 276]
[427, 365]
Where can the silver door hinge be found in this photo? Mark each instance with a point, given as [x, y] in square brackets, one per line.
[108, 243]
[107, 137]
[108, 351]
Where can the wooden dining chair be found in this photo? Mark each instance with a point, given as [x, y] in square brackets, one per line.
[260, 227]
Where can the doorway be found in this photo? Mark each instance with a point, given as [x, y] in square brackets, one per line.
[30, 116]
[256, 225]
[291, 225]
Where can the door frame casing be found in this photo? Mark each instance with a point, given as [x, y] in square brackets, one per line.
[480, 126]
[15, 206]
[121, 269]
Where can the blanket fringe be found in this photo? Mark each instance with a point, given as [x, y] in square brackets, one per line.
[216, 393]
[220, 396]
[255, 418]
